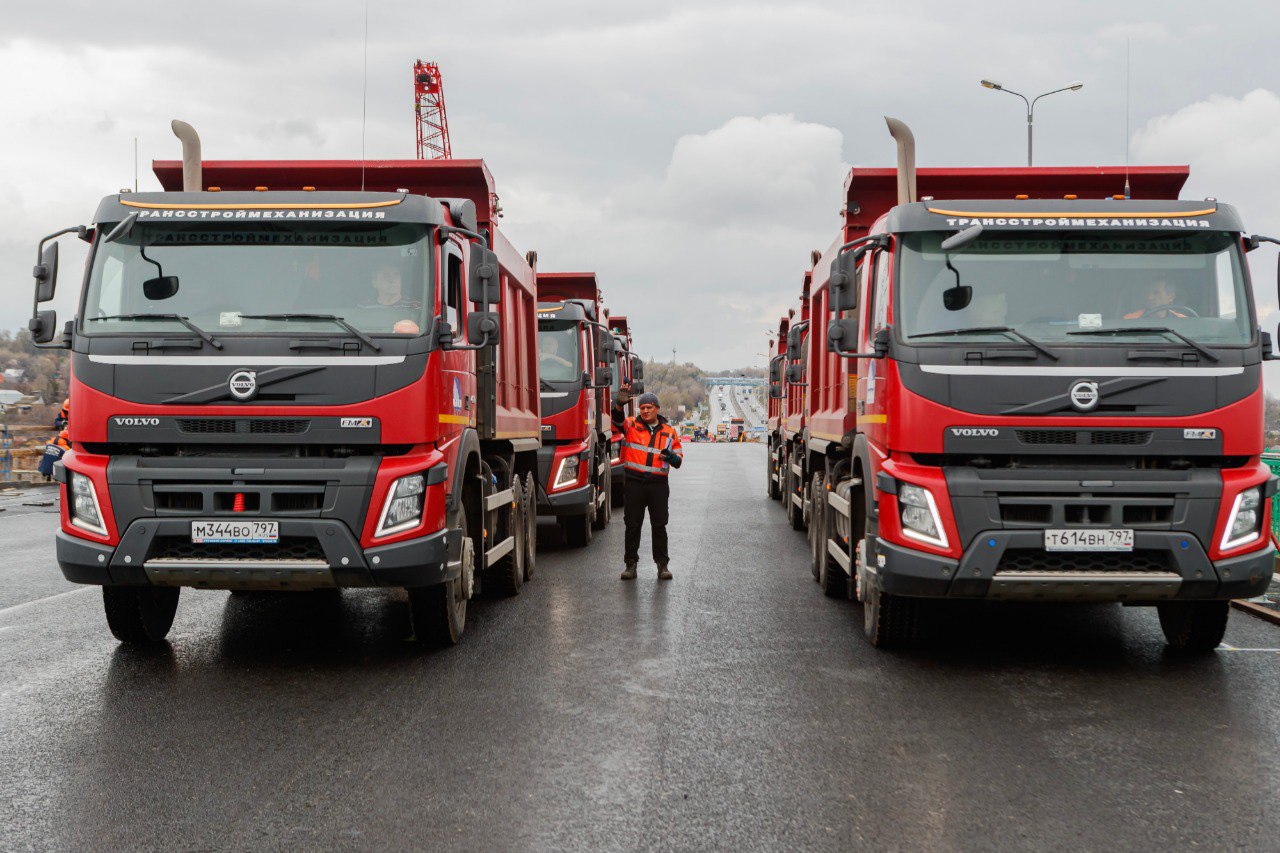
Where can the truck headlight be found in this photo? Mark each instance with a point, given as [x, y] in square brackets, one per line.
[615, 450]
[920, 519]
[567, 474]
[1242, 524]
[84, 510]
[403, 509]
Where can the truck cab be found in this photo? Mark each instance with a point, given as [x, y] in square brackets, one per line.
[1050, 396]
[576, 352]
[776, 406]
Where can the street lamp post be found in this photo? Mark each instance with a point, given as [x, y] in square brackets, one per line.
[1031, 104]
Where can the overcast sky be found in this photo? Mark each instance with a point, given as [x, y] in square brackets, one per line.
[690, 153]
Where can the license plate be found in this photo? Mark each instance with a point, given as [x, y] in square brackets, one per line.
[235, 532]
[1114, 539]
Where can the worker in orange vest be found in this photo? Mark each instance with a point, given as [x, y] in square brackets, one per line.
[64, 416]
[53, 451]
[650, 449]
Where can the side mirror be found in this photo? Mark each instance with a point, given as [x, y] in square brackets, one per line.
[46, 273]
[775, 370]
[842, 335]
[637, 367]
[793, 344]
[637, 387]
[160, 288]
[482, 328]
[795, 373]
[775, 390]
[482, 282]
[43, 326]
[604, 377]
[843, 284]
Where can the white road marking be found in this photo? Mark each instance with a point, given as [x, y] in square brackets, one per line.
[17, 608]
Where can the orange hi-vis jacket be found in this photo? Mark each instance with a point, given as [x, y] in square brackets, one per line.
[642, 448]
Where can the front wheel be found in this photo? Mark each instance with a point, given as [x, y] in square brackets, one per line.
[578, 529]
[889, 621]
[1194, 626]
[531, 522]
[140, 614]
[603, 507]
[439, 612]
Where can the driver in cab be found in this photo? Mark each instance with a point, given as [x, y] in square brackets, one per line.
[549, 356]
[1161, 300]
[389, 293]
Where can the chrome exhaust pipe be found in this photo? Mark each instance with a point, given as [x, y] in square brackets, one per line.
[192, 172]
[906, 160]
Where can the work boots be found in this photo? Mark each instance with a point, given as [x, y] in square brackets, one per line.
[664, 574]
[629, 573]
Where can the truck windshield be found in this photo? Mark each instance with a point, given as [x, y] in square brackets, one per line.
[1050, 285]
[559, 359]
[375, 276]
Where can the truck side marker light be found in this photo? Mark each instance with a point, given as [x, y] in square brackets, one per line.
[1022, 197]
[259, 189]
[214, 189]
[1185, 544]
[991, 543]
[1071, 196]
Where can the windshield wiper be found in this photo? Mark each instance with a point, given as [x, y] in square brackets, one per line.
[545, 385]
[980, 330]
[332, 318]
[177, 318]
[1150, 330]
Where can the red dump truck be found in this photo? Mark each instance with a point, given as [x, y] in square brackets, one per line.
[792, 451]
[1035, 384]
[575, 354]
[293, 375]
[777, 402]
[628, 371]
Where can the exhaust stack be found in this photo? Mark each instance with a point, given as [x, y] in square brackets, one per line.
[906, 160]
[192, 177]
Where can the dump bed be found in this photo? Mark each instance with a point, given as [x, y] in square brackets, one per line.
[509, 403]
[560, 286]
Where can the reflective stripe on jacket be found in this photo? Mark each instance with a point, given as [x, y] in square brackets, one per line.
[642, 448]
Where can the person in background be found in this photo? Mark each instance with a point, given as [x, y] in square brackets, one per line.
[53, 451]
[64, 415]
[650, 449]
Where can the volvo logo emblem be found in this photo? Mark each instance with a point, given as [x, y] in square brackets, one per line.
[1084, 395]
[243, 384]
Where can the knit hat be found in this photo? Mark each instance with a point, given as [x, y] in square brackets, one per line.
[648, 397]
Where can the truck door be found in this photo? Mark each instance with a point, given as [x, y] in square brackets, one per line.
[457, 396]
[871, 412]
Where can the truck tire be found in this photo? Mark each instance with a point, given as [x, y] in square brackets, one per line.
[438, 613]
[1194, 626]
[890, 621]
[795, 515]
[507, 577]
[832, 579]
[603, 511]
[578, 529]
[140, 614]
[531, 522]
[815, 531]
[771, 471]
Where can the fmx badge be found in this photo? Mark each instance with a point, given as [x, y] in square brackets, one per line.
[1200, 433]
[1084, 395]
[457, 395]
[356, 423]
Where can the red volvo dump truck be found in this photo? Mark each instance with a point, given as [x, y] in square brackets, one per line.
[292, 375]
[792, 460]
[629, 370]
[777, 402]
[575, 351]
[1039, 384]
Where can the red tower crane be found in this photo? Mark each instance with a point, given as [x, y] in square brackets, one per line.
[428, 107]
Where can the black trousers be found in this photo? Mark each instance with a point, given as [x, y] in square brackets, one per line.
[639, 495]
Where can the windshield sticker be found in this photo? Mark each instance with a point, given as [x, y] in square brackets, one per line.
[262, 214]
[1067, 222]
[1090, 321]
[229, 318]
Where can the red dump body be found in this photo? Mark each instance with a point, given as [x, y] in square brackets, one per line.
[796, 396]
[777, 357]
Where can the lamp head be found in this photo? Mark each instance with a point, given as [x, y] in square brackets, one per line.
[992, 84]
[1076, 86]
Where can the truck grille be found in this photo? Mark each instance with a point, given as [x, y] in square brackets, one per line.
[1072, 437]
[288, 548]
[252, 426]
[1075, 562]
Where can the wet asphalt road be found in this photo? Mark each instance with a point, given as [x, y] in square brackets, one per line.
[733, 708]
